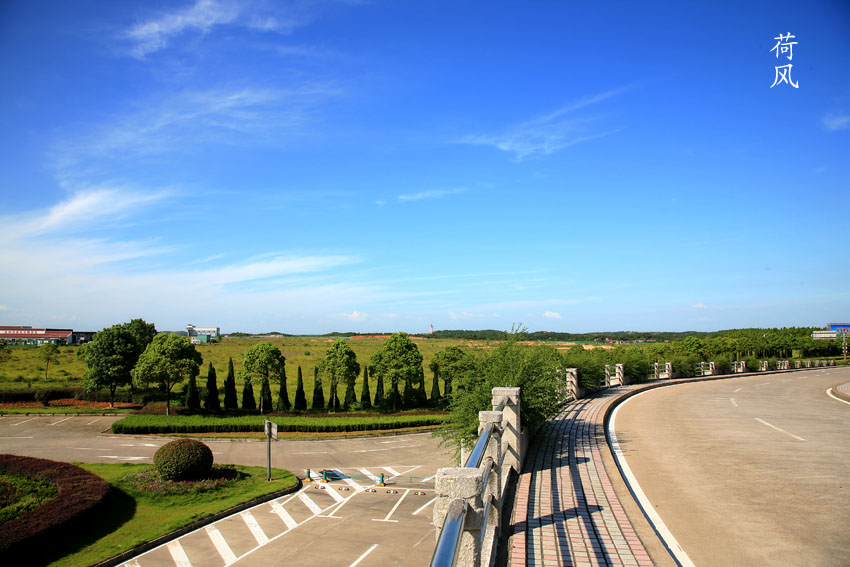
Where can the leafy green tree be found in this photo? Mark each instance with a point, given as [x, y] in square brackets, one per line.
[265, 396]
[211, 401]
[110, 358]
[283, 396]
[48, 352]
[365, 395]
[230, 400]
[167, 360]
[248, 401]
[339, 365]
[143, 333]
[399, 360]
[300, 397]
[193, 397]
[379, 389]
[451, 363]
[263, 362]
[318, 392]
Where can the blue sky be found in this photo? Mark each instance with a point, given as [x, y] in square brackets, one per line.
[377, 166]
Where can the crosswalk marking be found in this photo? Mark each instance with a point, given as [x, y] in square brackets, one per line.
[255, 528]
[178, 555]
[370, 475]
[309, 503]
[284, 515]
[221, 545]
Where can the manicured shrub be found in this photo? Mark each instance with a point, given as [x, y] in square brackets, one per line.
[193, 397]
[183, 459]
[248, 401]
[230, 401]
[211, 402]
[300, 397]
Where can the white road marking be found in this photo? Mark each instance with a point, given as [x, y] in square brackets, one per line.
[132, 563]
[787, 380]
[351, 482]
[95, 421]
[30, 437]
[399, 441]
[834, 397]
[121, 458]
[384, 449]
[312, 453]
[284, 515]
[255, 528]
[178, 555]
[221, 545]
[734, 403]
[309, 503]
[362, 557]
[661, 528]
[763, 384]
[370, 475]
[738, 390]
[397, 504]
[331, 490]
[424, 506]
[424, 480]
[137, 445]
[392, 471]
[24, 421]
[778, 429]
[60, 421]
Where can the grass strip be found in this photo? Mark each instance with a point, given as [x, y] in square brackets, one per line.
[134, 517]
[162, 424]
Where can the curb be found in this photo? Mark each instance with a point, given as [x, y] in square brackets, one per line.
[147, 546]
[838, 393]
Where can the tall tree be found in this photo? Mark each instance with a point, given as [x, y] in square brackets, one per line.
[300, 397]
[350, 396]
[248, 401]
[453, 363]
[143, 333]
[339, 365]
[318, 393]
[110, 358]
[398, 359]
[283, 397]
[263, 362]
[167, 360]
[230, 400]
[48, 352]
[193, 397]
[435, 384]
[365, 395]
[265, 397]
[211, 401]
[379, 389]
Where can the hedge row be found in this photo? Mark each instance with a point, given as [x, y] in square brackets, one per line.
[80, 494]
[50, 394]
[142, 424]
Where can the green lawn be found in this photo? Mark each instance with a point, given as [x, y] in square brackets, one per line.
[134, 517]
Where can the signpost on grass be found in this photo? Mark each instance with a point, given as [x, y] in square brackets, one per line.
[271, 433]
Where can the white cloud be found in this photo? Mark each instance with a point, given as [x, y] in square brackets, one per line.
[465, 315]
[833, 121]
[433, 194]
[4, 308]
[552, 315]
[700, 306]
[353, 316]
[549, 133]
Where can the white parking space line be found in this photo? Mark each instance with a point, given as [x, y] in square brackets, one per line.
[734, 403]
[178, 555]
[221, 545]
[255, 528]
[123, 458]
[60, 421]
[424, 506]
[95, 421]
[764, 384]
[738, 390]
[370, 475]
[312, 453]
[384, 449]
[30, 437]
[397, 504]
[24, 421]
[424, 480]
[362, 557]
[352, 483]
[331, 490]
[778, 429]
[309, 503]
[284, 515]
[391, 470]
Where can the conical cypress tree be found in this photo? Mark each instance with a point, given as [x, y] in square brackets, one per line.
[248, 401]
[265, 397]
[318, 393]
[395, 397]
[230, 400]
[211, 401]
[365, 396]
[193, 397]
[350, 396]
[300, 398]
[333, 401]
[283, 398]
[409, 399]
[435, 385]
[421, 396]
[379, 390]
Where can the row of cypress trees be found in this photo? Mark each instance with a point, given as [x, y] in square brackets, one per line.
[211, 399]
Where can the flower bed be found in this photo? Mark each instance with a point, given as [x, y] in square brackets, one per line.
[151, 482]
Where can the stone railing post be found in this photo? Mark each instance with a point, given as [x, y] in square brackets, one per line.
[572, 382]
[466, 484]
[712, 368]
[620, 373]
[511, 426]
[668, 369]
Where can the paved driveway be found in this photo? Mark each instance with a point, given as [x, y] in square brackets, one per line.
[747, 471]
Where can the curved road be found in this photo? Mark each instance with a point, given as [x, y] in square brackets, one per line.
[747, 471]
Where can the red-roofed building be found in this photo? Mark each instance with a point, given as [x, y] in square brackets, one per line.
[23, 335]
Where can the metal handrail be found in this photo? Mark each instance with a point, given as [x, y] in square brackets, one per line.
[477, 454]
[448, 545]
[488, 503]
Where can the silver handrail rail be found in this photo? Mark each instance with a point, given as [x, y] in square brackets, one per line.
[448, 545]
[477, 454]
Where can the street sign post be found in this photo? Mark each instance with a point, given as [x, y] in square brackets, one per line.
[271, 433]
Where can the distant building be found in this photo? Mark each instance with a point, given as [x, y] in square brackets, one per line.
[26, 335]
[202, 334]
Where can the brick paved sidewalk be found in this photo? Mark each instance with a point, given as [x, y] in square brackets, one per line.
[566, 511]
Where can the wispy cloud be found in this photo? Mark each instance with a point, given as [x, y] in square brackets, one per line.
[551, 132]
[202, 18]
[432, 194]
[552, 315]
[353, 316]
[835, 121]
[700, 306]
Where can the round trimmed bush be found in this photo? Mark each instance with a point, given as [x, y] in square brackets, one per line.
[183, 459]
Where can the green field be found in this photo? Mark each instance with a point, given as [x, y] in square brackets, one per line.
[24, 367]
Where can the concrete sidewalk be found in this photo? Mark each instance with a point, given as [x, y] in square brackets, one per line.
[566, 509]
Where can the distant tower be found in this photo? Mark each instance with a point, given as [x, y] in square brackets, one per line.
[432, 328]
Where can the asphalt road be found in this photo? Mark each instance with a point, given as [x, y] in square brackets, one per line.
[368, 525]
[747, 471]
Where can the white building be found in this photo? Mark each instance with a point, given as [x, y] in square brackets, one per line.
[211, 332]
